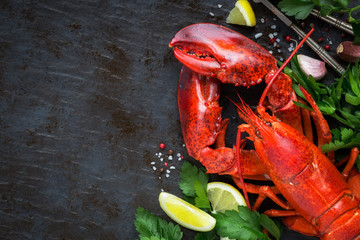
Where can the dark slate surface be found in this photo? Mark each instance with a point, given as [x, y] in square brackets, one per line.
[87, 93]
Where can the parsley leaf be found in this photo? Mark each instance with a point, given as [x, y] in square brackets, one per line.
[207, 235]
[193, 184]
[299, 9]
[344, 138]
[245, 224]
[151, 227]
[152, 238]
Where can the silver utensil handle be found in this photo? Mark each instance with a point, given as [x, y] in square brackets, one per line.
[323, 54]
[344, 26]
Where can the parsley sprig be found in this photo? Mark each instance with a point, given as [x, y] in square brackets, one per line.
[151, 227]
[301, 10]
[245, 225]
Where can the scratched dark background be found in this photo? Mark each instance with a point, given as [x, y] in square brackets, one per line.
[87, 94]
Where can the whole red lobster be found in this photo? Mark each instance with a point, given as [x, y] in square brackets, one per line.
[320, 200]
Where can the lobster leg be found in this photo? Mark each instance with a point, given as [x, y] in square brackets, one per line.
[295, 222]
[351, 174]
[322, 127]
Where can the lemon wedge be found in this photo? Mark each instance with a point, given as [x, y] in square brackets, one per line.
[242, 14]
[223, 196]
[186, 214]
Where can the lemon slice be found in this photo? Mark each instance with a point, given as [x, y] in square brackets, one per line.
[242, 14]
[223, 196]
[186, 214]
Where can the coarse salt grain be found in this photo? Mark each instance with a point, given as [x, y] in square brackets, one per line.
[281, 59]
[290, 49]
[170, 157]
[154, 168]
[162, 190]
[258, 35]
[271, 52]
[152, 163]
[262, 20]
[167, 175]
[179, 159]
[275, 44]
[271, 35]
[172, 167]
[220, 6]
[161, 159]
[273, 27]
[159, 177]
[178, 154]
[212, 14]
[279, 50]
[278, 40]
[330, 42]
[184, 145]
[275, 34]
[168, 171]
[160, 154]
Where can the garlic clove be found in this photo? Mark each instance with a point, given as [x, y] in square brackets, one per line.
[348, 51]
[312, 66]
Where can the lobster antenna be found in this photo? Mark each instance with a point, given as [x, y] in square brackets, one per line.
[282, 67]
[238, 161]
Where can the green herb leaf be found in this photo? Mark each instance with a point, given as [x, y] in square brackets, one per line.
[299, 9]
[201, 199]
[342, 138]
[244, 224]
[207, 235]
[353, 100]
[154, 228]
[270, 225]
[152, 238]
[189, 174]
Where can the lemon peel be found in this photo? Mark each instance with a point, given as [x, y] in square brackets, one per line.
[186, 214]
[242, 14]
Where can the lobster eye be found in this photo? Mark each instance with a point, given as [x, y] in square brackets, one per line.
[268, 124]
[257, 133]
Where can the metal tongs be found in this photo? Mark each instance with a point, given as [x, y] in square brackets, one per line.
[323, 54]
[344, 26]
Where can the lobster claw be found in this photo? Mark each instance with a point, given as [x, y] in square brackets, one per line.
[215, 51]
